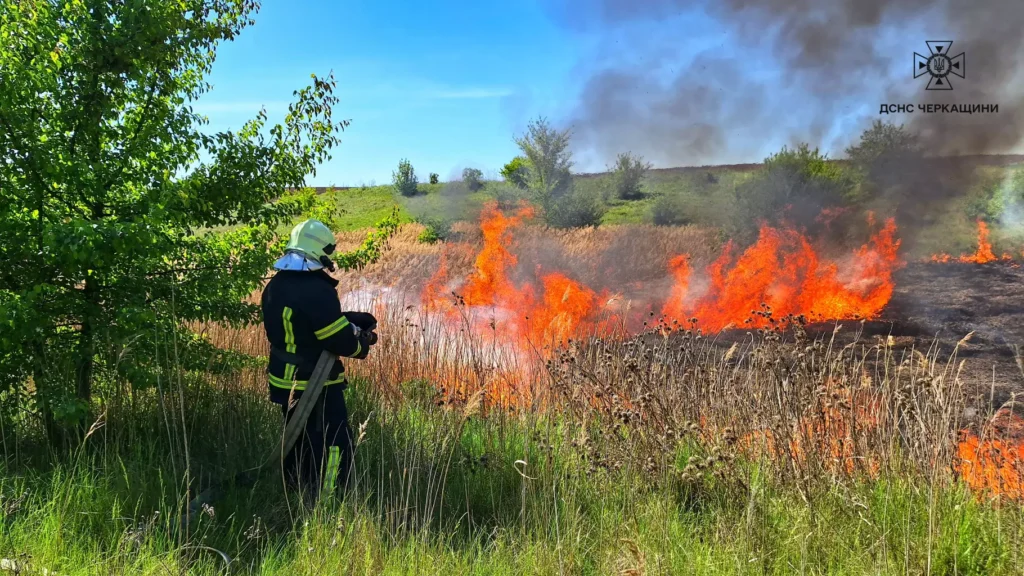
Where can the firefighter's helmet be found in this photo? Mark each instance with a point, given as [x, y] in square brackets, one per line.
[309, 247]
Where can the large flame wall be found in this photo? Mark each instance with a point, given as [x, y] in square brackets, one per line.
[781, 270]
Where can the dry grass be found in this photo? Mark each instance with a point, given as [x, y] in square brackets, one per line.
[814, 407]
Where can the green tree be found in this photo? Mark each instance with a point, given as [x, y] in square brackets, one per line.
[793, 187]
[473, 179]
[671, 210]
[404, 179]
[109, 188]
[517, 172]
[575, 209]
[628, 174]
[550, 160]
[886, 155]
[434, 178]
[883, 141]
[549, 178]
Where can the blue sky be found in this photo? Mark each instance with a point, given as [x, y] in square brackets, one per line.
[445, 83]
[448, 83]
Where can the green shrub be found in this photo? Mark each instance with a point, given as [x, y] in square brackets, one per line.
[508, 195]
[792, 187]
[428, 236]
[1003, 197]
[575, 209]
[404, 179]
[436, 228]
[473, 179]
[434, 178]
[517, 172]
[671, 210]
[547, 151]
[628, 174]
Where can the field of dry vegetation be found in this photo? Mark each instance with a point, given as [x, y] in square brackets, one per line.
[551, 402]
[621, 440]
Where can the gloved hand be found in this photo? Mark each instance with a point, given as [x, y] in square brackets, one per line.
[367, 325]
[364, 320]
[368, 337]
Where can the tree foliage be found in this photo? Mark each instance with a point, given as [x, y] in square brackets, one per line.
[517, 172]
[434, 178]
[472, 178]
[671, 210]
[404, 179]
[549, 177]
[628, 175]
[575, 209]
[886, 154]
[792, 188]
[109, 187]
[547, 151]
[883, 141]
[375, 243]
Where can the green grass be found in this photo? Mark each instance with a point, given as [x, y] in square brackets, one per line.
[428, 503]
[362, 208]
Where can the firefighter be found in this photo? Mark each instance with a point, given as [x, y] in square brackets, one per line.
[302, 317]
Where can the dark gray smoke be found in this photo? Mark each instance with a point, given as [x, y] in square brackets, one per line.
[840, 59]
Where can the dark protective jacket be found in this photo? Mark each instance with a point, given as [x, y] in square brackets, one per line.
[302, 317]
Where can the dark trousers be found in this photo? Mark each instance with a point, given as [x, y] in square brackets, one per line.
[321, 459]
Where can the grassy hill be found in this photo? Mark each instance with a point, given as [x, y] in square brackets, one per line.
[706, 196]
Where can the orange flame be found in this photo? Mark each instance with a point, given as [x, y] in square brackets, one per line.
[567, 306]
[564, 309]
[984, 252]
[828, 434]
[489, 284]
[680, 268]
[994, 464]
[783, 271]
[982, 255]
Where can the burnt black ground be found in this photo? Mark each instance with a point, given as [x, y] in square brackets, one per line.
[940, 304]
[948, 301]
[937, 305]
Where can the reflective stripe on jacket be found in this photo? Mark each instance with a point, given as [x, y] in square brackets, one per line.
[302, 317]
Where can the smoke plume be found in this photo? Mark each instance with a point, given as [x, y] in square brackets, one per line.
[837, 62]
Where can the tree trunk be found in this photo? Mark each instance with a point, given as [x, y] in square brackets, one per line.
[86, 351]
[56, 435]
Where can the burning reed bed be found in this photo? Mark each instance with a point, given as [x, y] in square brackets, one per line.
[670, 451]
[513, 422]
[810, 410]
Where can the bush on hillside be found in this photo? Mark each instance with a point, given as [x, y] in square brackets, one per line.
[436, 228]
[508, 195]
[628, 174]
[404, 179]
[473, 179]
[434, 178]
[671, 210]
[575, 209]
[517, 172]
[547, 152]
[792, 188]
[884, 154]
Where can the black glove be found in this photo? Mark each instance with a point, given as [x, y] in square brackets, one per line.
[368, 337]
[364, 320]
